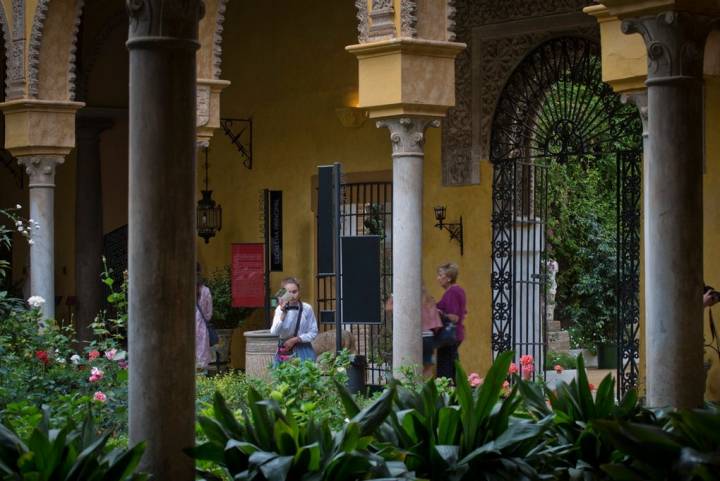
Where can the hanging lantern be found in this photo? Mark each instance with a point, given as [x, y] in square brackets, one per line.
[209, 213]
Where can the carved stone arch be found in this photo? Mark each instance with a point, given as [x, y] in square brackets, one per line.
[211, 29]
[16, 53]
[93, 49]
[52, 48]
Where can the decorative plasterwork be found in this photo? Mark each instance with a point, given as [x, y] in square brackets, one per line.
[217, 38]
[34, 46]
[8, 44]
[363, 20]
[382, 20]
[16, 53]
[451, 18]
[408, 18]
[675, 43]
[72, 68]
[481, 72]
[407, 134]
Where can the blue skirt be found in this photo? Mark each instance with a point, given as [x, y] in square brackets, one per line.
[303, 351]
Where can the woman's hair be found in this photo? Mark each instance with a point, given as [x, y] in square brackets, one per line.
[290, 280]
[450, 270]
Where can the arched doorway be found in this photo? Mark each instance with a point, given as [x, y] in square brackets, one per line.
[556, 118]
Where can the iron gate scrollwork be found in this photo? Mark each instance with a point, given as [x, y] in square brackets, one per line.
[556, 110]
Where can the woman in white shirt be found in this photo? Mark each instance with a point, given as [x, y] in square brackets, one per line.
[295, 325]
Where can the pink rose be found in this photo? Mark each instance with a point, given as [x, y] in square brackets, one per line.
[527, 371]
[95, 374]
[526, 360]
[123, 364]
[558, 368]
[110, 355]
[94, 354]
[506, 385]
[513, 369]
[100, 396]
[475, 380]
[591, 386]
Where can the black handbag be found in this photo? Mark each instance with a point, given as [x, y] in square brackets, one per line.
[446, 335]
[213, 337]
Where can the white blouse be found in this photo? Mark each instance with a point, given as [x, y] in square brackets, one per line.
[285, 328]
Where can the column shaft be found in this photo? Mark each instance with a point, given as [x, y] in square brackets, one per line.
[408, 138]
[88, 226]
[673, 207]
[41, 170]
[162, 44]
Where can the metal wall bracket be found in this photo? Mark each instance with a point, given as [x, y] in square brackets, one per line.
[242, 140]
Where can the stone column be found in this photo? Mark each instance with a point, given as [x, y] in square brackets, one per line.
[41, 170]
[88, 225]
[407, 135]
[163, 43]
[673, 207]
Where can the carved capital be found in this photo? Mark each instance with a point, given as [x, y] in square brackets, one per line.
[163, 20]
[382, 19]
[675, 44]
[407, 134]
[640, 100]
[41, 169]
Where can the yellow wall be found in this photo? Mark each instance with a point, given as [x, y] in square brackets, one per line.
[711, 212]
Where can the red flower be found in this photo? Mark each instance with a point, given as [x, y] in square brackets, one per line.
[94, 354]
[526, 360]
[513, 369]
[591, 386]
[558, 368]
[42, 356]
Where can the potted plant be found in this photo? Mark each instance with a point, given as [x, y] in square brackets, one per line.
[225, 317]
[559, 367]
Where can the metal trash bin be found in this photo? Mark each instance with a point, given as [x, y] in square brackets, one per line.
[356, 374]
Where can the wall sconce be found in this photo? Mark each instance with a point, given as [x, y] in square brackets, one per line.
[454, 228]
[351, 117]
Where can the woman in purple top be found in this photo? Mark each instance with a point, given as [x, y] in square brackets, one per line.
[452, 307]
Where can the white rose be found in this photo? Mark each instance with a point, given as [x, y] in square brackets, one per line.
[75, 359]
[31, 242]
[18, 206]
[36, 301]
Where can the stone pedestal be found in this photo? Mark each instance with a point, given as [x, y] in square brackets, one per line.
[407, 135]
[41, 170]
[162, 42]
[260, 349]
[673, 206]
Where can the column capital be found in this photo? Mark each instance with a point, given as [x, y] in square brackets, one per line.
[407, 134]
[174, 24]
[675, 44]
[639, 99]
[41, 169]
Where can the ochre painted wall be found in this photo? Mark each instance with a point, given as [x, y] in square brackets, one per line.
[711, 213]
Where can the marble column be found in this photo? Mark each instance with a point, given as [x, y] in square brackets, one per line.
[41, 170]
[407, 135]
[163, 43]
[673, 207]
[88, 225]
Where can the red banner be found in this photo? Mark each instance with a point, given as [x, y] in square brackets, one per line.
[248, 275]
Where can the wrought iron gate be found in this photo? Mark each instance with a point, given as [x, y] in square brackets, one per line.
[366, 209]
[556, 109]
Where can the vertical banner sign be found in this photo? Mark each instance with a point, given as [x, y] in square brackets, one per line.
[248, 275]
[276, 234]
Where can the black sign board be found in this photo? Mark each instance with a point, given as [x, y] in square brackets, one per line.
[276, 234]
[361, 279]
